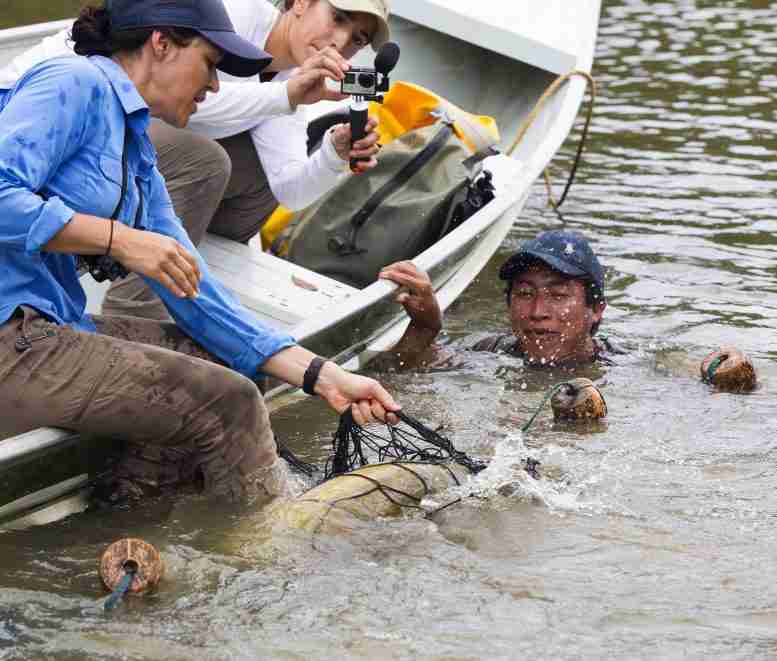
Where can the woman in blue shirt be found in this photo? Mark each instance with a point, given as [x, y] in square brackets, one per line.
[78, 176]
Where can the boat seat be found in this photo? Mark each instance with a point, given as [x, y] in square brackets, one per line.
[281, 293]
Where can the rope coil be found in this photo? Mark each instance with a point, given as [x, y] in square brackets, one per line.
[532, 116]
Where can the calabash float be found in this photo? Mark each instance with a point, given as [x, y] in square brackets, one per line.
[578, 399]
[729, 370]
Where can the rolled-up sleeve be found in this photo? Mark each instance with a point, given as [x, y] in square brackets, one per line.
[215, 319]
[34, 145]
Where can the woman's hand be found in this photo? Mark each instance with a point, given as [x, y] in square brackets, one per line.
[308, 84]
[366, 148]
[159, 257]
[367, 399]
[416, 296]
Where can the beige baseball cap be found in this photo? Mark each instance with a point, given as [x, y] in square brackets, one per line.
[377, 8]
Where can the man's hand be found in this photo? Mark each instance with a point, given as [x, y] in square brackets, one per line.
[367, 147]
[308, 84]
[416, 296]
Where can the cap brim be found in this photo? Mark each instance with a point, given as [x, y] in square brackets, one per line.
[382, 34]
[241, 57]
[517, 264]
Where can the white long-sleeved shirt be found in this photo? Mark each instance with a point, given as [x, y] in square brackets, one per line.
[243, 104]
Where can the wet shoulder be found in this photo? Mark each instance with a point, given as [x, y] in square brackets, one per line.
[76, 78]
[79, 69]
[496, 343]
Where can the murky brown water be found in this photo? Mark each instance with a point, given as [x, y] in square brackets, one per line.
[656, 537]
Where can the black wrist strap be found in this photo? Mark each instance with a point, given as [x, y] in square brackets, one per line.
[311, 375]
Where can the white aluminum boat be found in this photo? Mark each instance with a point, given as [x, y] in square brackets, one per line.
[494, 58]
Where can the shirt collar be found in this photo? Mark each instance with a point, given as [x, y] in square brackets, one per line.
[135, 107]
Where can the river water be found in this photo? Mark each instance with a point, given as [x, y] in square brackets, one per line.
[651, 536]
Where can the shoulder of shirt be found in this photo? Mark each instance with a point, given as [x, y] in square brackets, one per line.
[267, 15]
[252, 20]
[82, 70]
[497, 343]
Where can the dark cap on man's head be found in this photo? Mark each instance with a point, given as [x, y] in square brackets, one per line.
[208, 17]
[563, 251]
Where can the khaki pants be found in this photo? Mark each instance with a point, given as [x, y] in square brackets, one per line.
[217, 187]
[184, 416]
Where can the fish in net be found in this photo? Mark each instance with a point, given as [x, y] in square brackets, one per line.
[381, 470]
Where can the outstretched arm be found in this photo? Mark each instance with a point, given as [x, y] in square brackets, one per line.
[216, 319]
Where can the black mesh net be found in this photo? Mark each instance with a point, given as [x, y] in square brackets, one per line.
[408, 441]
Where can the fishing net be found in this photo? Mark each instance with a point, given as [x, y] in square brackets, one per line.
[409, 441]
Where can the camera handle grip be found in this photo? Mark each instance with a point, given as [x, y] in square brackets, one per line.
[358, 114]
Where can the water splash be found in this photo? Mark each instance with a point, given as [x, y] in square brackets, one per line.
[557, 488]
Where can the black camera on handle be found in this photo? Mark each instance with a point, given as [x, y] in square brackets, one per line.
[363, 81]
[365, 84]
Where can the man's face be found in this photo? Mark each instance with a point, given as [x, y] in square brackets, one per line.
[549, 316]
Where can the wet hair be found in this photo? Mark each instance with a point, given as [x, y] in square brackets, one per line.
[593, 295]
[92, 34]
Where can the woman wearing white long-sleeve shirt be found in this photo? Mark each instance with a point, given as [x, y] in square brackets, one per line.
[294, 37]
[245, 151]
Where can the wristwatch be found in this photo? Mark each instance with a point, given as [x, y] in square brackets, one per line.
[311, 375]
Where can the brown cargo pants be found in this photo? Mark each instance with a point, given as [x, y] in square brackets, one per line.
[215, 186]
[184, 417]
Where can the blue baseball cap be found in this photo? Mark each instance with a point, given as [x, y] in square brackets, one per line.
[563, 251]
[208, 17]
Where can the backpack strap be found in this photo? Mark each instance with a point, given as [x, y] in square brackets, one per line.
[347, 246]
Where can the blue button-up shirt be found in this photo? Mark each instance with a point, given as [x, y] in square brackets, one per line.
[62, 129]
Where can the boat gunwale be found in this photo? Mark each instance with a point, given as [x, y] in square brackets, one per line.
[34, 30]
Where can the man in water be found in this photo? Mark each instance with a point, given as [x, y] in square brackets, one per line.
[555, 302]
